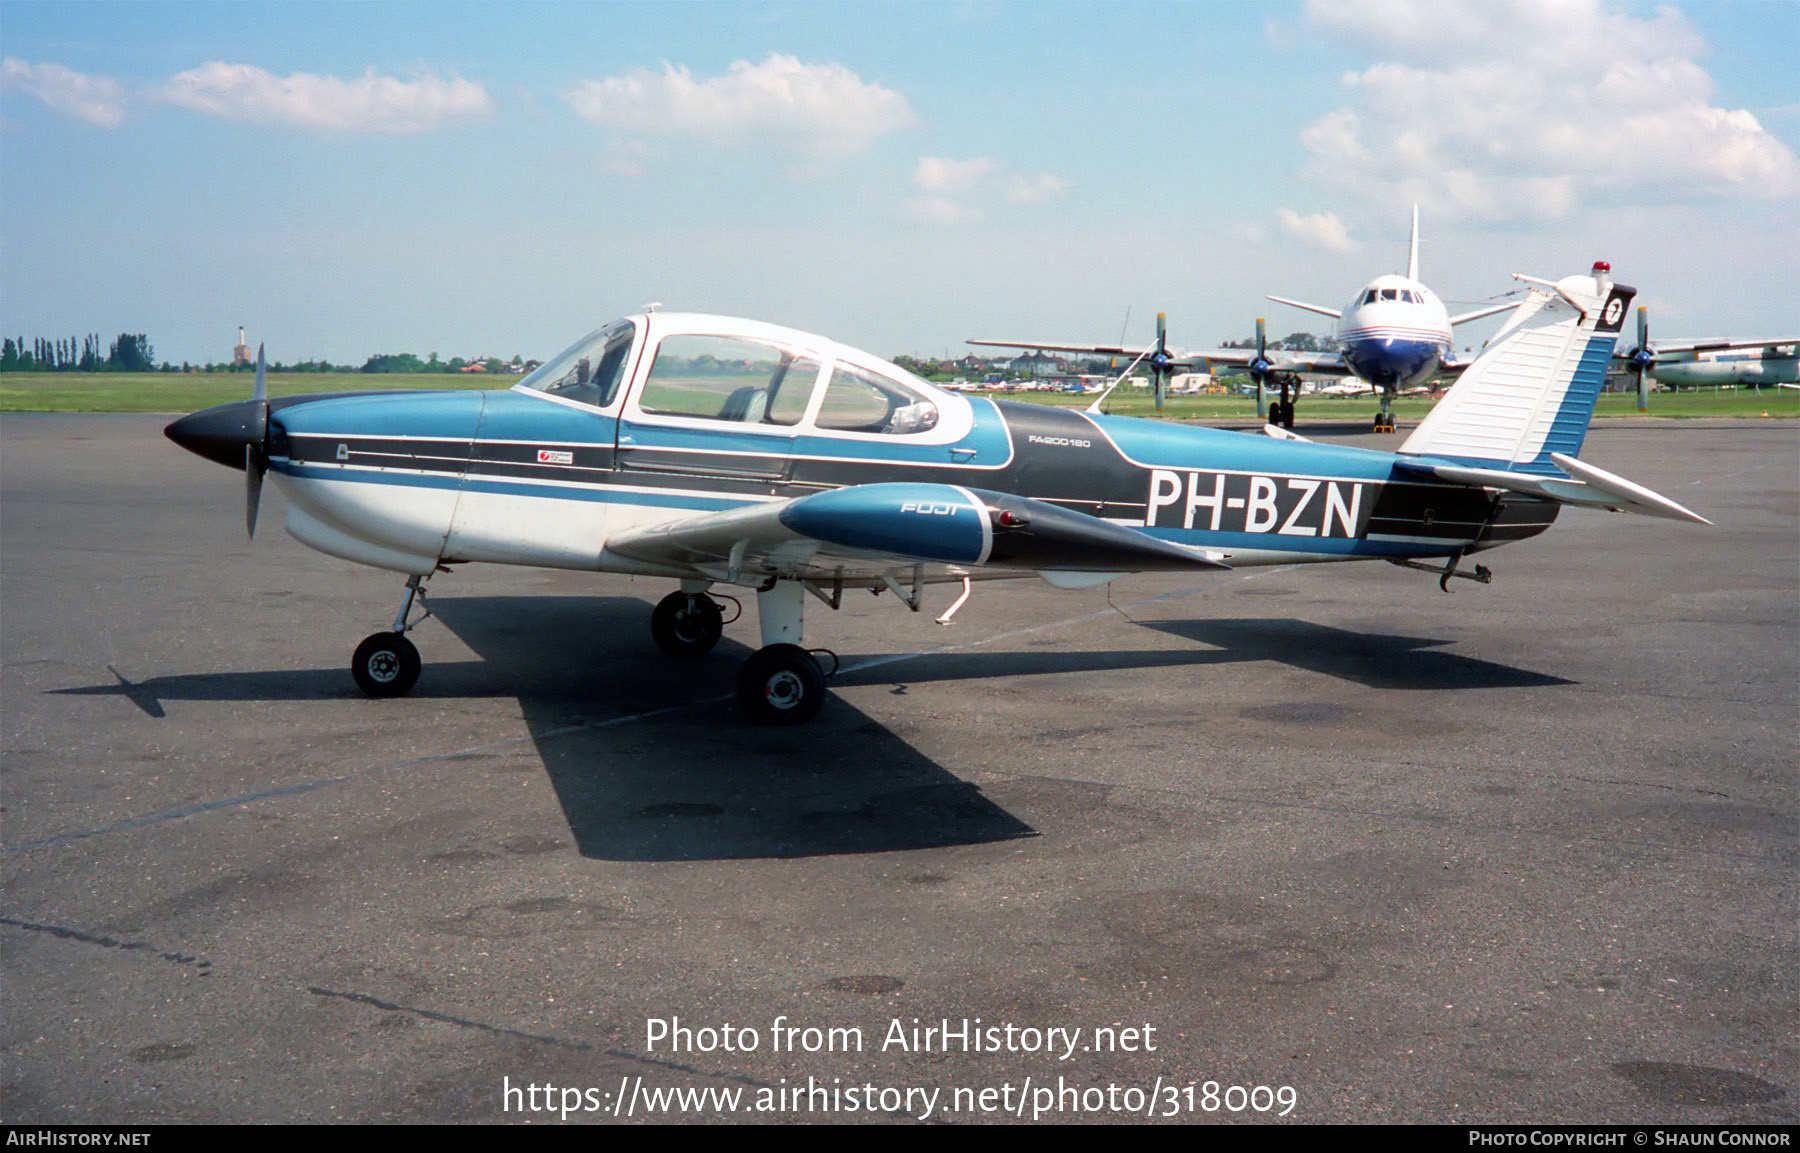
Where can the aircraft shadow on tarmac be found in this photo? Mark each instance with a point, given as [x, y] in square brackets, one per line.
[1372, 660]
[687, 779]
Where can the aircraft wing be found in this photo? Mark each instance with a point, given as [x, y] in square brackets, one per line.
[1322, 363]
[875, 534]
[1694, 347]
[1051, 346]
[1319, 363]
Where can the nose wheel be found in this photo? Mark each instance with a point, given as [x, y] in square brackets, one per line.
[386, 665]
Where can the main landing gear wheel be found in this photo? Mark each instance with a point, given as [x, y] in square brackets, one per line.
[781, 685]
[1384, 422]
[687, 626]
[385, 665]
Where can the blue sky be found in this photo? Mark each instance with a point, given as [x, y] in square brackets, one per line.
[348, 179]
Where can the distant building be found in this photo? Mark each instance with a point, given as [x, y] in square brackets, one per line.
[240, 355]
[1039, 364]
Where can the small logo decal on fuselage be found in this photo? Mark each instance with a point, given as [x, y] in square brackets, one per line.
[924, 508]
[555, 456]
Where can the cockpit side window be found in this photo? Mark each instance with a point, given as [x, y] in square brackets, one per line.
[1371, 296]
[860, 401]
[588, 372]
[728, 378]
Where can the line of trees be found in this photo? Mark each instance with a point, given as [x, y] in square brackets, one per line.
[407, 362]
[130, 353]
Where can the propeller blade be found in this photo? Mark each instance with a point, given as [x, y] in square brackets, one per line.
[254, 466]
[1642, 358]
[256, 456]
[1159, 364]
[1259, 368]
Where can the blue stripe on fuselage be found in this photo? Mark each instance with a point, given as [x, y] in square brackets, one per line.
[1158, 444]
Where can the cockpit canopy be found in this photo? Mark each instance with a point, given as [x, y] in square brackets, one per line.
[713, 369]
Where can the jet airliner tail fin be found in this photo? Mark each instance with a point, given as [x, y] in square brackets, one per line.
[1412, 250]
[1531, 392]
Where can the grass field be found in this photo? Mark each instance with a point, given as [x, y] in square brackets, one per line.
[171, 392]
[185, 392]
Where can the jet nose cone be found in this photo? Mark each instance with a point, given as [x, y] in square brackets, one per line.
[223, 432]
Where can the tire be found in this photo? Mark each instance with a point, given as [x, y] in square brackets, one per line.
[385, 665]
[781, 685]
[685, 626]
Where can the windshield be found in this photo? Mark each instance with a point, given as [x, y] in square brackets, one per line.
[589, 370]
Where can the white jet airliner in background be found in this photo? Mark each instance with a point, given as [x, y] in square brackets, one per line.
[1395, 334]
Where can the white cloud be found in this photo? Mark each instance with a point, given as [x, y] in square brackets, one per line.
[940, 175]
[1034, 189]
[819, 110]
[99, 100]
[1526, 109]
[962, 191]
[628, 158]
[369, 103]
[1323, 229]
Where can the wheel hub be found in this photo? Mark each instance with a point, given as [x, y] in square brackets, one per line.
[784, 690]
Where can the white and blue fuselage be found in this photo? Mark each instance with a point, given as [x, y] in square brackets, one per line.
[1395, 334]
[713, 450]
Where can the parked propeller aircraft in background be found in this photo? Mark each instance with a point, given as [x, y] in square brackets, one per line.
[1709, 363]
[713, 451]
[1394, 336]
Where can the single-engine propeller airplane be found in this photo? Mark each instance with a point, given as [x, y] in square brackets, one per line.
[713, 451]
[1394, 336]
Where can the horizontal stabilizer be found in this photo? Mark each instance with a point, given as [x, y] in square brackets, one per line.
[1590, 487]
[1630, 497]
[1489, 310]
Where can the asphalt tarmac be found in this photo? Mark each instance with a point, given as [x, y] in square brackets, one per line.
[1319, 842]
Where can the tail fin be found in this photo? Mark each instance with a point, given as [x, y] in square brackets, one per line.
[1412, 249]
[1532, 390]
